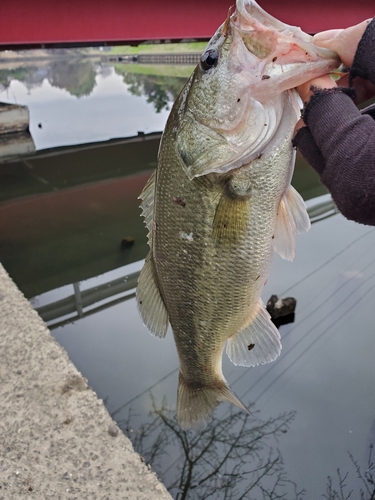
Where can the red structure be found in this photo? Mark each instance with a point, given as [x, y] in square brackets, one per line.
[36, 23]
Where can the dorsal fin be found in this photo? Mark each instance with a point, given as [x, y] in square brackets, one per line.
[147, 196]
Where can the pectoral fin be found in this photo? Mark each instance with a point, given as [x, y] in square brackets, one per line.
[258, 343]
[292, 218]
[150, 303]
[231, 219]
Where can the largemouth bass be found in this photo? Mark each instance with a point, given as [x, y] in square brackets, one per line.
[220, 203]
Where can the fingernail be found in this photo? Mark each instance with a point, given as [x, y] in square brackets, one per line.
[324, 36]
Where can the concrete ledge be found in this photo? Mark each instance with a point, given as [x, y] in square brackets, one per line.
[57, 440]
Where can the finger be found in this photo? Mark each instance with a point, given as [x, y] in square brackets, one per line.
[324, 82]
[321, 38]
[343, 42]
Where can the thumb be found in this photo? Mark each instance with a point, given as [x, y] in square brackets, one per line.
[332, 40]
[320, 39]
[342, 41]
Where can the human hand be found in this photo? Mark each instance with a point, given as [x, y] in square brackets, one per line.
[342, 41]
[364, 89]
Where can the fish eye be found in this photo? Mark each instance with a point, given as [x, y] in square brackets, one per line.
[209, 59]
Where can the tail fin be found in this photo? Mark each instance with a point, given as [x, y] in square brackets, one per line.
[195, 405]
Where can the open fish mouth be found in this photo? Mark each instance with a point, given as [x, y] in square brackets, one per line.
[281, 50]
[249, 14]
[242, 88]
[249, 70]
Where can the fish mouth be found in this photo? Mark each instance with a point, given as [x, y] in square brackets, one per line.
[282, 51]
[252, 15]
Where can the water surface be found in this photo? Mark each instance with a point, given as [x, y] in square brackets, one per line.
[72, 239]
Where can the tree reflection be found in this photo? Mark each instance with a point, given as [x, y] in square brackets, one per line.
[160, 90]
[367, 479]
[6, 75]
[234, 457]
[77, 76]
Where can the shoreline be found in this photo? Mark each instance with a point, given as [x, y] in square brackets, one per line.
[57, 438]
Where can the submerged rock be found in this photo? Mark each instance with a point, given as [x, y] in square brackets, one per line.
[280, 307]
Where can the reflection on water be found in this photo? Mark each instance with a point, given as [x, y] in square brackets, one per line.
[79, 78]
[235, 456]
[76, 101]
[337, 487]
[160, 90]
[63, 215]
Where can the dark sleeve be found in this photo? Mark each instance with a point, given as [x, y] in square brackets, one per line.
[339, 141]
[304, 141]
[364, 60]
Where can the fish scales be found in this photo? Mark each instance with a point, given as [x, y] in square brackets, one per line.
[228, 275]
[220, 204]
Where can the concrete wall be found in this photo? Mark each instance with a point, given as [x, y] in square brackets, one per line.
[57, 440]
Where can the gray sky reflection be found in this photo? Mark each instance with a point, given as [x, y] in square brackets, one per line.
[325, 372]
[110, 111]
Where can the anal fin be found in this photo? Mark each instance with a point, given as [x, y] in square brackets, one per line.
[150, 303]
[258, 343]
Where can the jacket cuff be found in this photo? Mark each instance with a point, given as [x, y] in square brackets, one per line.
[319, 93]
[363, 63]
